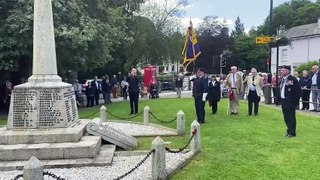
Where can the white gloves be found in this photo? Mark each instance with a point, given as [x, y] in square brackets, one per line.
[204, 96]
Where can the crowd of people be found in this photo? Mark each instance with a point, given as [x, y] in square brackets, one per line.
[287, 91]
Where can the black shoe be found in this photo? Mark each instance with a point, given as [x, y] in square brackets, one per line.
[248, 114]
[136, 113]
[255, 114]
[131, 112]
[313, 110]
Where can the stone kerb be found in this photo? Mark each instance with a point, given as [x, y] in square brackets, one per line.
[33, 170]
[181, 126]
[146, 115]
[158, 170]
[103, 113]
[196, 141]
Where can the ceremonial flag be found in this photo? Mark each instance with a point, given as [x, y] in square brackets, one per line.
[191, 49]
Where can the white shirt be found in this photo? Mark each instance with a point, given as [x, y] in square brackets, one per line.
[314, 78]
[234, 80]
[212, 82]
[283, 87]
[252, 87]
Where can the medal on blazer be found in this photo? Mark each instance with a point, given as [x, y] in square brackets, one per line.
[290, 82]
[289, 89]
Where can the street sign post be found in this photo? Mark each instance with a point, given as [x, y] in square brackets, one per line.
[265, 39]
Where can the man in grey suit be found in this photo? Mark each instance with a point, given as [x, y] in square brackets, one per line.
[315, 88]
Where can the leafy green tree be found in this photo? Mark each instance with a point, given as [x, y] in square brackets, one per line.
[213, 38]
[290, 14]
[306, 66]
[238, 28]
[88, 33]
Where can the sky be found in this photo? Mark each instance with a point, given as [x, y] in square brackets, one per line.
[251, 12]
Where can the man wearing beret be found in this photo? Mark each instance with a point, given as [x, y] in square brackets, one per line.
[289, 94]
[200, 91]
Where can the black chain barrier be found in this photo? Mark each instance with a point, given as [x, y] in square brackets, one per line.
[18, 177]
[162, 120]
[90, 115]
[122, 118]
[194, 132]
[45, 173]
[137, 166]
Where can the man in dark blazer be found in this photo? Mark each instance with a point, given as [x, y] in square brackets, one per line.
[134, 90]
[214, 93]
[200, 91]
[95, 85]
[289, 94]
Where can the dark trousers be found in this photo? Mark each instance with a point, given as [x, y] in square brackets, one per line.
[96, 97]
[275, 95]
[134, 99]
[106, 97]
[124, 93]
[90, 101]
[289, 115]
[253, 98]
[214, 106]
[305, 96]
[199, 104]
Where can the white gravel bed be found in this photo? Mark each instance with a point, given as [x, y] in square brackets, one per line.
[140, 130]
[120, 166]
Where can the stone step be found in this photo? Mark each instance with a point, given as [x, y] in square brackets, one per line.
[103, 158]
[37, 136]
[87, 147]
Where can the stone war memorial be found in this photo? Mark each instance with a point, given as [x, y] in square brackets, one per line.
[44, 130]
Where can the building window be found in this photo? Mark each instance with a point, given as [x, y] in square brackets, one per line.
[173, 68]
[284, 55]
[161, 68]
[167, 68]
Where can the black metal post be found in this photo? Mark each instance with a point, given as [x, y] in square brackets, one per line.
[277, 76]
[270, 33]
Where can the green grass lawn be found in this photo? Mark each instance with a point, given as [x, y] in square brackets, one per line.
[237, 147]
[3, 121]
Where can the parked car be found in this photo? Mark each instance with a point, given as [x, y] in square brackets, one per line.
[167, 85]
[167, 81]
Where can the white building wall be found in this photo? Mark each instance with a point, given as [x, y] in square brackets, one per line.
[298, 52]
[314, 49]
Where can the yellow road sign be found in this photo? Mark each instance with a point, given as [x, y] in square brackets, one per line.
[264, 39]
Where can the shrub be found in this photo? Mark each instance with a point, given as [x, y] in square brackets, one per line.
[306, 66]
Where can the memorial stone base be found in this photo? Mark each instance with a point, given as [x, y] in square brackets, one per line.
[57, 147]
[42, 105]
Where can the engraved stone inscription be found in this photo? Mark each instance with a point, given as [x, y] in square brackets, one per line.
[70, 103]
[24, 106]
[43, 107]
[49, 113]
